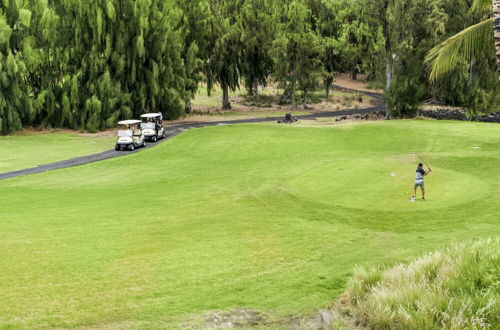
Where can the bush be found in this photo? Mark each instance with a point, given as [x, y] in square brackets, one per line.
[405, 96]
[458, 288]
[480, 102]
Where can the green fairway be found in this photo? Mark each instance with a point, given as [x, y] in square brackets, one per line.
[269, 217]
[19, 152]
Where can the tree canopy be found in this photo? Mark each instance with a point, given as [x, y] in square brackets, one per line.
[87, 64]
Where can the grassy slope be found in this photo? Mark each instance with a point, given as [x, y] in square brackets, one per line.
[19, 152]
[265, 216]
[456, 288]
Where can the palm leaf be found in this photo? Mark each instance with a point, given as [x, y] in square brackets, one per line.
[479, 5]
[470, 43]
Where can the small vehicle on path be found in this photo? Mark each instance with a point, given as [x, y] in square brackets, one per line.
[130, 135]
[152, 126]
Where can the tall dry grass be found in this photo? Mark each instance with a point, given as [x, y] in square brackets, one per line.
[457, 288]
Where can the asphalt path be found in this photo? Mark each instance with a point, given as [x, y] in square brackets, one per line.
[175, 130]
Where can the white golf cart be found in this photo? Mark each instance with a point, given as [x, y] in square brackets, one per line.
[130, 135]
[152, 126]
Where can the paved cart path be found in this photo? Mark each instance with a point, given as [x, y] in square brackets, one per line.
[178, 129]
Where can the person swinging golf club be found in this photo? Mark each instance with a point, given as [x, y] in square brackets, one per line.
[419, 181]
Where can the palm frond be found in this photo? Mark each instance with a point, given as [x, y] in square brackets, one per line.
[470, 43]
[479, 5]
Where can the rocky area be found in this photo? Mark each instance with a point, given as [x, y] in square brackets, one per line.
[458, 114]
[378, 115]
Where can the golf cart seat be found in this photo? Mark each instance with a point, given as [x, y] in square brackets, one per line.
[152, 126]
[137, 132]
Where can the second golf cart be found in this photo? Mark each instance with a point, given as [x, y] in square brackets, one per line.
[130, 135]
[152, 126]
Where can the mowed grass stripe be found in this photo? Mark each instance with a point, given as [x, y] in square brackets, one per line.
[265, 216]
[25, 151]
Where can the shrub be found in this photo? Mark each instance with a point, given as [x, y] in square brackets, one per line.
[480, 102]
[458, 288]
[405, 96]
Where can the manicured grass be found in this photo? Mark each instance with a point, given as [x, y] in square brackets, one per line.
[271, 217]
[19, 152]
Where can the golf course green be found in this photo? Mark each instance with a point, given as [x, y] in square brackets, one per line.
[269, 217]
[20, 152]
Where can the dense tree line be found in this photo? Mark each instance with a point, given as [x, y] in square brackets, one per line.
[87, 64]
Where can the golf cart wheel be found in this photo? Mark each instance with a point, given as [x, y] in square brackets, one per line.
[154, 138]
[144, 143]
[131, 147]
[164, 135]
[117, 147]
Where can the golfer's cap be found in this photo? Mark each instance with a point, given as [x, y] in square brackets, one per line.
[420, 164]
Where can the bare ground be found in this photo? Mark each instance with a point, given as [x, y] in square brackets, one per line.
[208, 108]
[36, 131]
[337, 316]
[360, 84]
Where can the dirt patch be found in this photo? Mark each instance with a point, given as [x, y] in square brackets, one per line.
[325, 319]
[360, 84]
[433, 107]
[34, 131]
[337, 317]
[236, 318]
[340, 120]
[107, 133]
[268, 104]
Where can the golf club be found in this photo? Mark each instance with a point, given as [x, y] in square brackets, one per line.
[422, 160]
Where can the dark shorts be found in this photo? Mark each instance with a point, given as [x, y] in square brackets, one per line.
[419, 183]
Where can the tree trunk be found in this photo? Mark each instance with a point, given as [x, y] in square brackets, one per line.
[294, 87]
[328, 84]
[354, 69]
[388, 73]
[226, 105]
[496, 24]
[472, 73]
[188, 107]
[305, 99]
[388, 85]
[388, 60]
[255, 89]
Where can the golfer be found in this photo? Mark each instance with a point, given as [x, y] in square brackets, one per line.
[419, 180]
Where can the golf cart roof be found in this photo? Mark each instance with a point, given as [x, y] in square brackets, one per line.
[151, 115]
[129, 122]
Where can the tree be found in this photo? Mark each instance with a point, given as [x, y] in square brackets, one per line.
[326, 24]
[194, 26]
[257, 34]
[297, 49]
[97, 61]
[496, 35]
[15, 105]
[223, 66]
[415, 26]
[470, 43]
[360, 33]
[87, 64]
